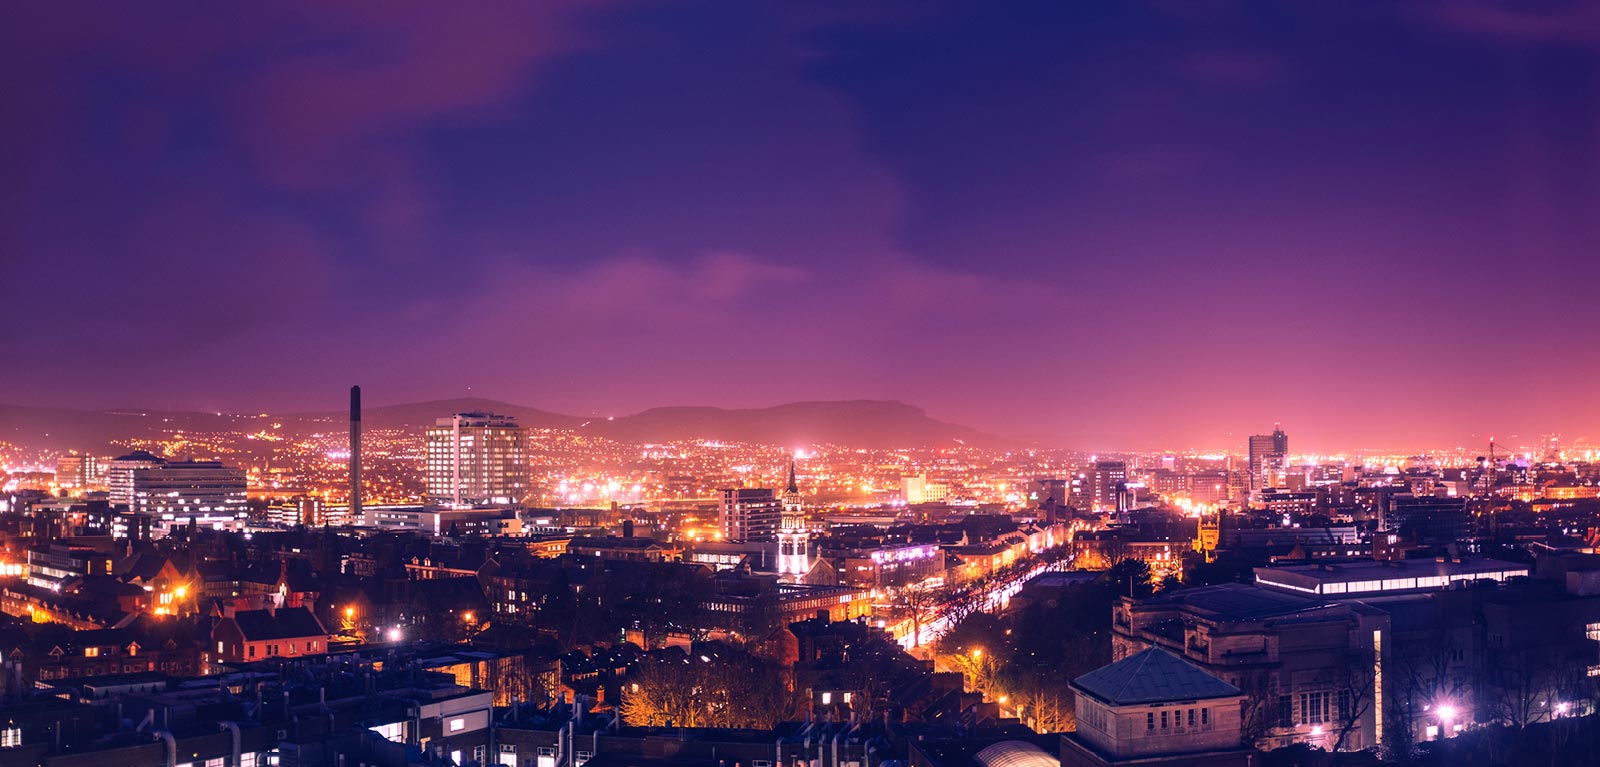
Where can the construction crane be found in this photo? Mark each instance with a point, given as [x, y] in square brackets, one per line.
[1491, 465]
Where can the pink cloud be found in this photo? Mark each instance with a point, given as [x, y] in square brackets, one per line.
[1571, 22]
[369, 71]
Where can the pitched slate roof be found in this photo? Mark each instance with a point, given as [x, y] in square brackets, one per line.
[1152, 676]
[287, 623]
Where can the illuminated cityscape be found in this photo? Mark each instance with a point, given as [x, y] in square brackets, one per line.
[1034, 384]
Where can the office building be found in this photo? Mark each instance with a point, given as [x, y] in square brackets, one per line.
[178, 493]
[918, 489]
[476, 459]
[1269, 459]
[1108, 482]
[50, 567]
[300, 510]
[119, 475]
[451, 522]
[749, 514]
[76, 473]
[1374, 578]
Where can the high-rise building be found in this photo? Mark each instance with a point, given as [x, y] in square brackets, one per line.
[176, 493]
[476, 459]
[119, 475]
[76, 472]
[750, 514]
[1107, 482]
[1269, 459]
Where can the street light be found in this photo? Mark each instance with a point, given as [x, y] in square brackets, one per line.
[977, 653]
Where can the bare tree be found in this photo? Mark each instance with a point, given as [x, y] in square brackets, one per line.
[1045, 706]
[729, 689]
[921, 603]
[1258, 714]
[1353, 690]
[1424, 685]
[1523, 686]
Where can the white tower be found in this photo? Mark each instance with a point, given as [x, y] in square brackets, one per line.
[794, 541]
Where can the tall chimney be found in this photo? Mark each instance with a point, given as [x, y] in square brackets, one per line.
[354, 517]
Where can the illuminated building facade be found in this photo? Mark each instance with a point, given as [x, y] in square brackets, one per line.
[119, 475]
[749, 514]
[889, 566]
[205, 492]
[51, 566]
[918, 489]
[76, 473]
[1373, 578]
[794, 540]
[476, 459]
[1108, 482]
[301, 510]
[1269, 459]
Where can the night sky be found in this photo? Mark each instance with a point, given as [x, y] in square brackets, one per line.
[1102, 224]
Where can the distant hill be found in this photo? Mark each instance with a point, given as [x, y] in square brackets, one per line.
[857, 423]
[93, 431]
[415, 415]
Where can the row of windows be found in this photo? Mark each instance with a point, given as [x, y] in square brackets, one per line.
[272, 650]
[1323, 707]
[1175, 718]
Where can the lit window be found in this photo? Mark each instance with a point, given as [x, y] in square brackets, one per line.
[457, 725]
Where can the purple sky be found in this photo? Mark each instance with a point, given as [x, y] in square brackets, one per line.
[1098, 224]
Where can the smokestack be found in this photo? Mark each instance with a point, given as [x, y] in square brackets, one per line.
[354, 516]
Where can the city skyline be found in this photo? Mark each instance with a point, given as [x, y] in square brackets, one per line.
[810, 423]
[826, 383]
[1061, 223]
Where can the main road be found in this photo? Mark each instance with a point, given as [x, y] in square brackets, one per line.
[995, 597]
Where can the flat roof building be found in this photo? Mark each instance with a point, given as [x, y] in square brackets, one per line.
[476, 459]
[1374, 577]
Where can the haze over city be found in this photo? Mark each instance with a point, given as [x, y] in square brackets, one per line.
[826, 383]
[1130, 225]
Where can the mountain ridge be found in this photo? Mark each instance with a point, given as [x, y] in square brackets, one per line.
[854, 423]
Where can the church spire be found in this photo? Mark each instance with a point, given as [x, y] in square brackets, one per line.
[793, 486]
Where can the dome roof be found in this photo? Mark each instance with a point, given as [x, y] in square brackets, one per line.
[1015, 753]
